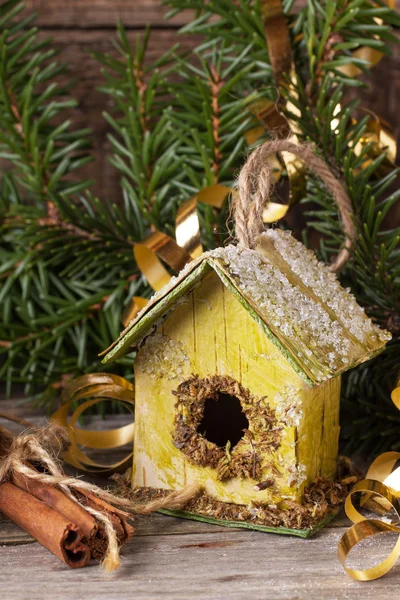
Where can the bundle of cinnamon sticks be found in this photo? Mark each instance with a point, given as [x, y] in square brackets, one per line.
[74, 519]
[74, 532]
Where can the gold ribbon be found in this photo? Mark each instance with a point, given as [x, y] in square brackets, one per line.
[159, 248]
[187, 227]
[370, 55]
[381, 136]
[268, 113]
[148, 254]
[92, 389]
[380, 493]
[278, 38]
[271, 118]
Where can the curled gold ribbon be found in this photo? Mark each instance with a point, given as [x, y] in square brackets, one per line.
[370, 55]
[159, 248]
[381, 136]
[269, 113]
[396, 395]
[360, 531]
[92, 389]
[187, 227]
[278, 38]
[135, 305]
[148, 254]
[380, 493]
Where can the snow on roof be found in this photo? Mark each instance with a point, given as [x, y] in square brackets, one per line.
[296, 299]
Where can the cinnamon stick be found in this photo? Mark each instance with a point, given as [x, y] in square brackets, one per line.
[90, 531]
[55, 520]
[49, 527]
[56, 499]
[119, 519]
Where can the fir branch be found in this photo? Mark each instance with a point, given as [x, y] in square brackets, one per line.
[64, 258]
[143, 151]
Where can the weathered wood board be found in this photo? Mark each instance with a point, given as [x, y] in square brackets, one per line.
[89, 14]
[177, 560]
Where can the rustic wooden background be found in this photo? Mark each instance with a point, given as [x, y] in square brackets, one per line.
[81, 26]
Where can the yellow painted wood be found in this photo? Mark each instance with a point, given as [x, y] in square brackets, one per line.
[318, 433]
[331, 428]
[218, 336]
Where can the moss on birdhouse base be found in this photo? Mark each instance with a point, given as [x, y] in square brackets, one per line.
[322, 501]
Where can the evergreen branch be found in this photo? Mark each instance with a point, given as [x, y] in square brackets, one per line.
[63, 256]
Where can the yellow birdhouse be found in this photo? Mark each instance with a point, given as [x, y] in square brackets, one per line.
[237, 383]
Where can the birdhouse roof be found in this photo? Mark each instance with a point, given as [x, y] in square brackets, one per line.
[296, 300]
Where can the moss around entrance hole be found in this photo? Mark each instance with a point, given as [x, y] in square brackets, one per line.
[223, 420]
[214, 410]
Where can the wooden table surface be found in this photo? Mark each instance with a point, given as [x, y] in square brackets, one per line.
[173, 559]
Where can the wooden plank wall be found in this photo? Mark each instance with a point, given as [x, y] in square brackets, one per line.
[81, 26]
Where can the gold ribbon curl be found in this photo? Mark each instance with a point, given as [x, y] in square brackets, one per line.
[380, 493]
[380, 135]
[370, 55]
[270, 114]
[159, 249]
[92, 389]
[278, 38]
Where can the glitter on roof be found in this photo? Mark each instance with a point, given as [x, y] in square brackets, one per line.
[298, 302]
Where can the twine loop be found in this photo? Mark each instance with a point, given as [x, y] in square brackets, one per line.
[254, 188]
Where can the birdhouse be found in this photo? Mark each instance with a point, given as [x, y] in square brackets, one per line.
[237, 382]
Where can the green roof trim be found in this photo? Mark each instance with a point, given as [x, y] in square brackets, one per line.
[140, 327]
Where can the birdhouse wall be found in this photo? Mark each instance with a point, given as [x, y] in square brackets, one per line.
[209, 334]
[318, 433]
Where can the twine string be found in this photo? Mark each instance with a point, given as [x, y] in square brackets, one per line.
[254, 188]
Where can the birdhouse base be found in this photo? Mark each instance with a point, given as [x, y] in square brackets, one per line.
[323, 500]
[303, 533]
